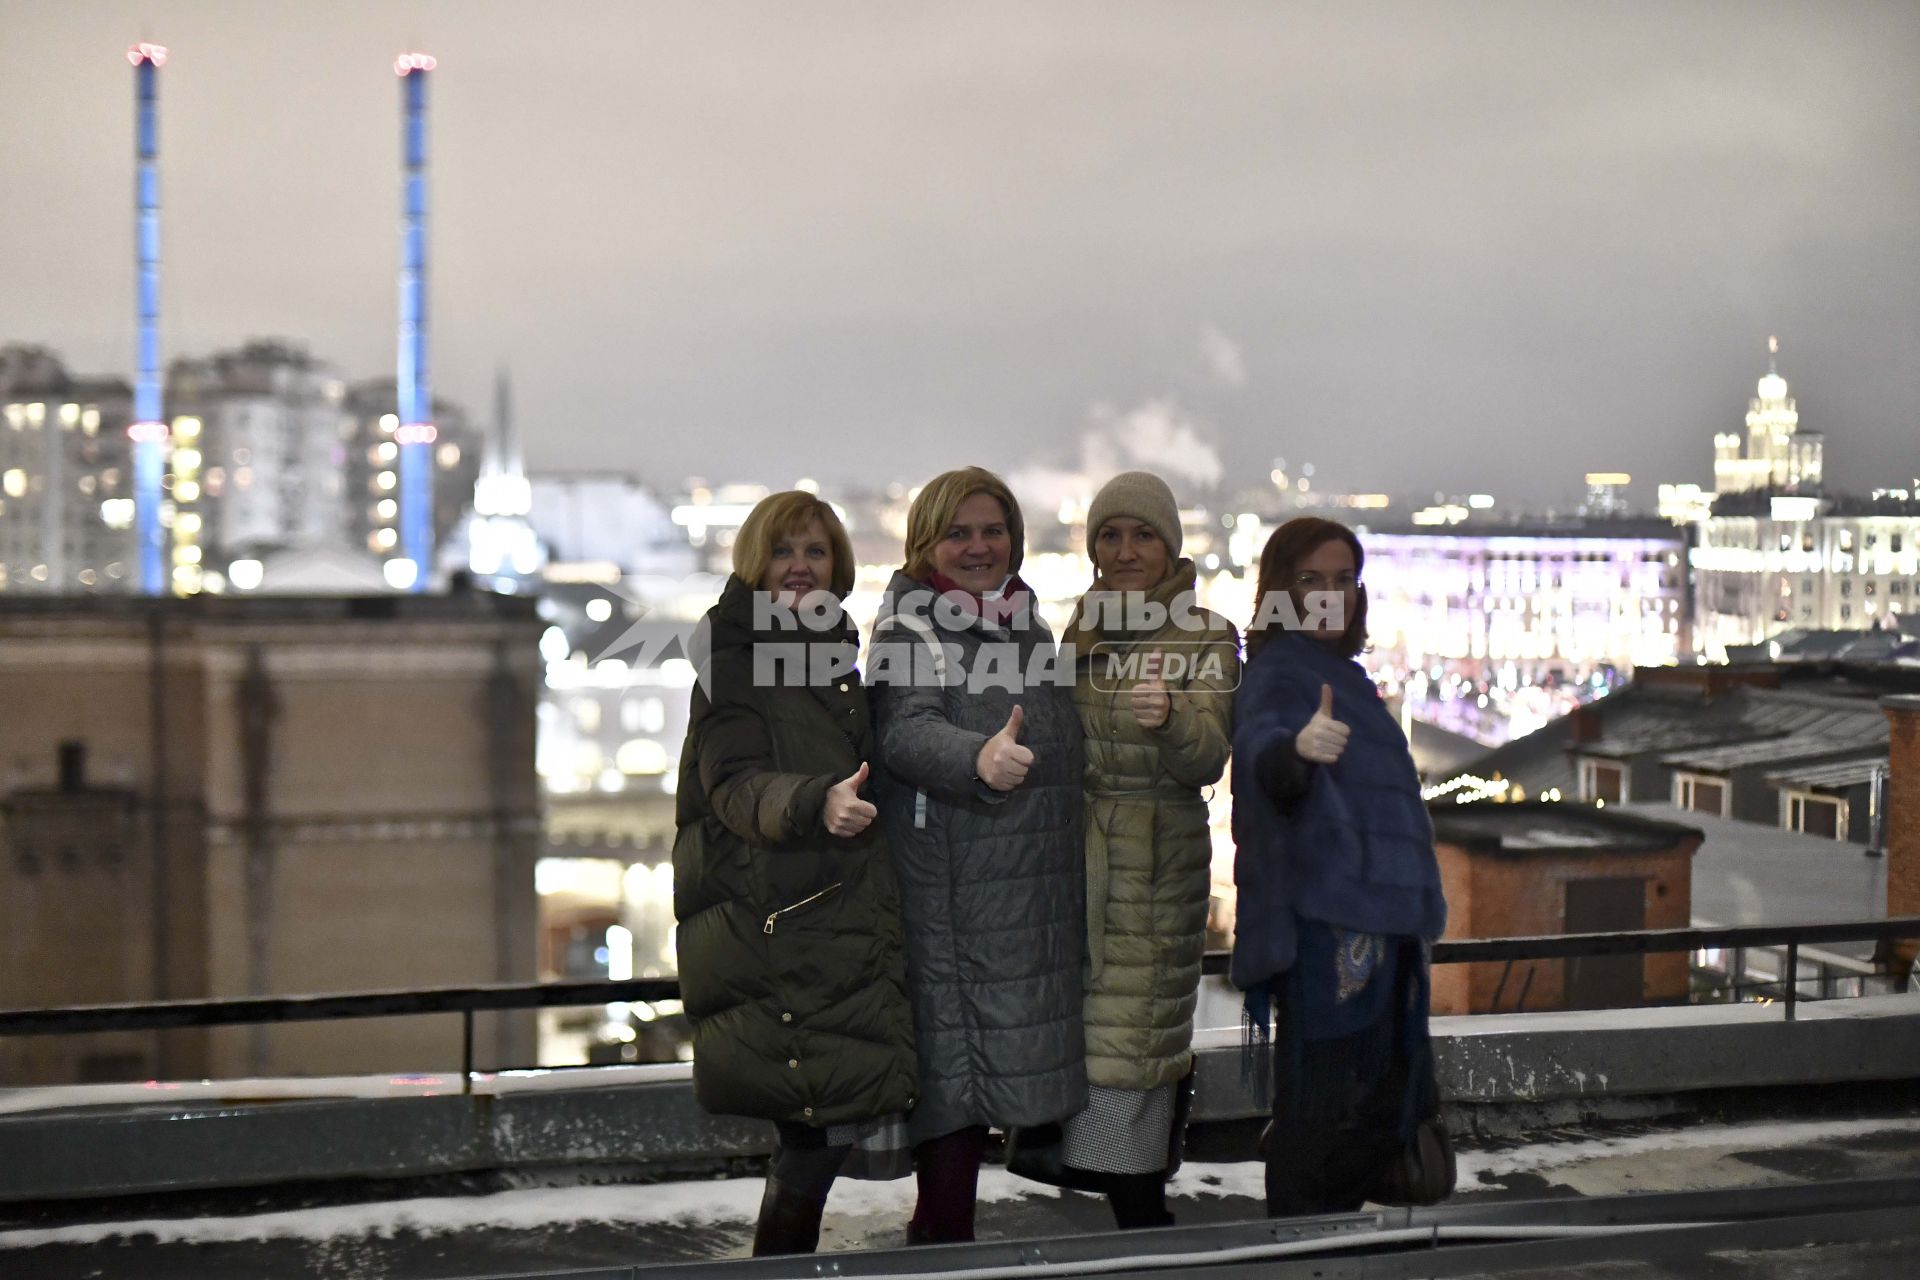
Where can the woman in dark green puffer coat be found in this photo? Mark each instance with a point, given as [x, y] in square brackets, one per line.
[791, 962]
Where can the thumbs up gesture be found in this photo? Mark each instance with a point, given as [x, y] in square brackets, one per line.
[1149, 697]
[1323, 738]
[1003, 763]
[845, 813]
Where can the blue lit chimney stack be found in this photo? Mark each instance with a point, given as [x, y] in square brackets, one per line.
[415, 434]
[148, 430]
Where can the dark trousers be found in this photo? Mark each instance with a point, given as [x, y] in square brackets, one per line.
[799, 1176]
[947, 1169]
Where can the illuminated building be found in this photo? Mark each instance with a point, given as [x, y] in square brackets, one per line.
[1775, 454]
[1807, 563]
[499, 546]
[67, 510]
[259, 441]
[1774, 554]
[371, 479]
[1517, 606]
[1606, 495]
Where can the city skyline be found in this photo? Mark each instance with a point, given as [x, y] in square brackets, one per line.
[742, 245]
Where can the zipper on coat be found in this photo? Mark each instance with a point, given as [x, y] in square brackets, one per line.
[806, 901]
[920, 810]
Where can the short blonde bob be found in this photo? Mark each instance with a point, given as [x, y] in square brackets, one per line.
[786, 515]
[932, 513]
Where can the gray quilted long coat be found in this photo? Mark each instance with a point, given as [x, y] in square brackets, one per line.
[992, 885]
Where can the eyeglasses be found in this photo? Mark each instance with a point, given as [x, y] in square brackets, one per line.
[1311, 581]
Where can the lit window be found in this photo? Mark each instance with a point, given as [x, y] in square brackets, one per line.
[449, 456]
[385, 451]
[90, 419]
[14, 482]
[389, 422]
[384, 539]
[186, 491]
[385, 481]
[185, 428]
[69, 416]
[401, 574]
[386, 509]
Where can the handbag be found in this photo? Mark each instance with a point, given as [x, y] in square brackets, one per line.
[1039, 1154]
[1423, 1173]
[1182, 1112]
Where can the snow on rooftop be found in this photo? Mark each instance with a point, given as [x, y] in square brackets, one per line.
[735, 1202]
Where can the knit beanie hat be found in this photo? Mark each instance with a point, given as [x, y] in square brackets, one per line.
[1142, 496]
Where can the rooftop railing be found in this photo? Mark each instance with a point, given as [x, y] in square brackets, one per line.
[493, 998]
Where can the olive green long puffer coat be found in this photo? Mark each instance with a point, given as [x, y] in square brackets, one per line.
[1148, 846]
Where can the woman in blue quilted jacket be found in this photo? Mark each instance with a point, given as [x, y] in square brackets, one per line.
[1339, 889]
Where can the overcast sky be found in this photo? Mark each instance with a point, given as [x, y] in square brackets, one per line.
[1438, 246]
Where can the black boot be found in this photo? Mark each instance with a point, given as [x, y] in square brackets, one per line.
[1139, 1200]
[789, 1221]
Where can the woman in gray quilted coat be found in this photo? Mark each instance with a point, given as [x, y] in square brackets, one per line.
[979, 787]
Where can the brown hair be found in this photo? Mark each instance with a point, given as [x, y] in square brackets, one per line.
[932, 512]
[783, 515]
[1291, 543]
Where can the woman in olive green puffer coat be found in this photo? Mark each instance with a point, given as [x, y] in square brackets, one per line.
[1153, 684]
[792, 967]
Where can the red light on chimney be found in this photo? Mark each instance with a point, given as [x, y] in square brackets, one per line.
[144, 52]
[408, 63]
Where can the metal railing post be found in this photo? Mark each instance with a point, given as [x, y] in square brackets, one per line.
[1793, 977]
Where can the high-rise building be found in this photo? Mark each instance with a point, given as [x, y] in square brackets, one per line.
[259, 442]
[1775, 553]
[66, 478]
[1774, 454]
[372, 468]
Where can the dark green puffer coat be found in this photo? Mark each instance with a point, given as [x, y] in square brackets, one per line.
[791, 962]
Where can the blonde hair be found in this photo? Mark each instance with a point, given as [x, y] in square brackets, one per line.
[784, 515]
[932, 513]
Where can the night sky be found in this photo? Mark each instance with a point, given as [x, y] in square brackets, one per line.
[1431, 246]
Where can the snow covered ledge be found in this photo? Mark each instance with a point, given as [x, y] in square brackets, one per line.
[1621, 1053]
[117, 1139]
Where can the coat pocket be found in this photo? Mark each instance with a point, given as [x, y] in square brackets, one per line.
[808, 901]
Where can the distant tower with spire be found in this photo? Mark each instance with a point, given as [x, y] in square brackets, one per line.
[1774, 454]
[503, 551]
